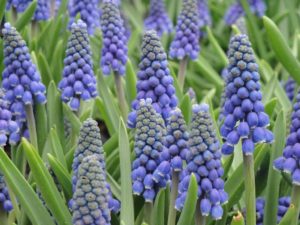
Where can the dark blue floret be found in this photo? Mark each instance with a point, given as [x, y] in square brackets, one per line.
[89, 143]
[114, 49]
[289, 161]
[158, 18]
[79, 82]
[154, 79]
[204, 160]
[89, 12]
[19, 5]
[4, 195]
[290, 87]
[235, 11]
[149, 170]
[42, 11]
[91, 199]
[243, 111]
[186, 41]
[21, 80]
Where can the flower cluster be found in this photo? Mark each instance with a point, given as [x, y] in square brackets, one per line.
[78, 80]
[114, 49]
[283, 205]
[21, 80]
[154, 79]
[186, 41]
[235, 11]
[19, 5]
[89, 143]
[204, 13]
[89, 12]
[91, 194]
[204, 160]
[289, 162]
[158, 18]
[245, 118]
[4, 195]
[42, 11]
[290, 88]
[148, 172]
[8, 127]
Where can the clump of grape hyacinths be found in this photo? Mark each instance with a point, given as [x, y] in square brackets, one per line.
[4, 195]
[204, 160]
[91, 195]
[204, 13]
[89, 12]
[150, 152]
[283, 205]
[154, 79]
[19, 5]
[9, 129]
[79, 82]
[21, 80]
[89, 143]
[244, 114]
[186, 41]
[236, 10]
[114, 49]
[290, 88]
[158, 18]
[42, 11]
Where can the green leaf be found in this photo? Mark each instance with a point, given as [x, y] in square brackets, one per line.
[281, 49]
[63, 7]
[2, 8]
[75, 122]
[158, 213]
[270, 106]
[114, 186]
[130, 82]
[46, 185]
[62, 175]
[27, 198]
[58, 54]
[273, 183]
[26, 17]
[186, 108]
[41, 126]
[56, 147]
[44, 69]
[238, 220]
[187, 214]
[127, 213]
[289, 215]
[99, 106]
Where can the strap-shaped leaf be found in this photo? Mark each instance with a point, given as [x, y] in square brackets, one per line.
[26, 17]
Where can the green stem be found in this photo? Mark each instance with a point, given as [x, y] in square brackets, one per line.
[174, 191]
[3, 217]
[34, 29]
[199, 218]
[31, 125]
[53, 3]
[295, 200]
[121, 95]
[14, 15]
[148, 207]
[249, 189]
[181, 73]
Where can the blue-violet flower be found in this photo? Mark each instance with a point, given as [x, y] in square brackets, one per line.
[42, 11]
[4, 195]
[290, 87]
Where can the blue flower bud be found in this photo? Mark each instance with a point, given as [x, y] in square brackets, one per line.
[290, 86]
[205, 207]
[4, 195]
[42, 11]
[19, 5]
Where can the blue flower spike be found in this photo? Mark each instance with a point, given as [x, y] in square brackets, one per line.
[204, 160]
[4, 195]
[78, 82]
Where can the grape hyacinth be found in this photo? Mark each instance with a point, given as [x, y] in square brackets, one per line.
[79, 82]
[245, 118]
[150, 152]
[91, 194]
[89, 12]
[235, 11]
[42, 11]
[19, 5]
[21, 80]
[186, 41]
[114, 50]
[154, 79]
[9, 129]
[204, 13]
[204, 160]
[283, 205]
[89, 143]
[158, 18]
[4, 195]
[290, 88]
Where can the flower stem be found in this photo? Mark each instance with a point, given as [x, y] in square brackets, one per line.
[199, 218]
[181, 73]
[31, 125]
[14, 14]
[121, 95]
[249, 189]
[295, 200]
[53, 2]
[174, 191]
[148, 212]
[34, 29]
